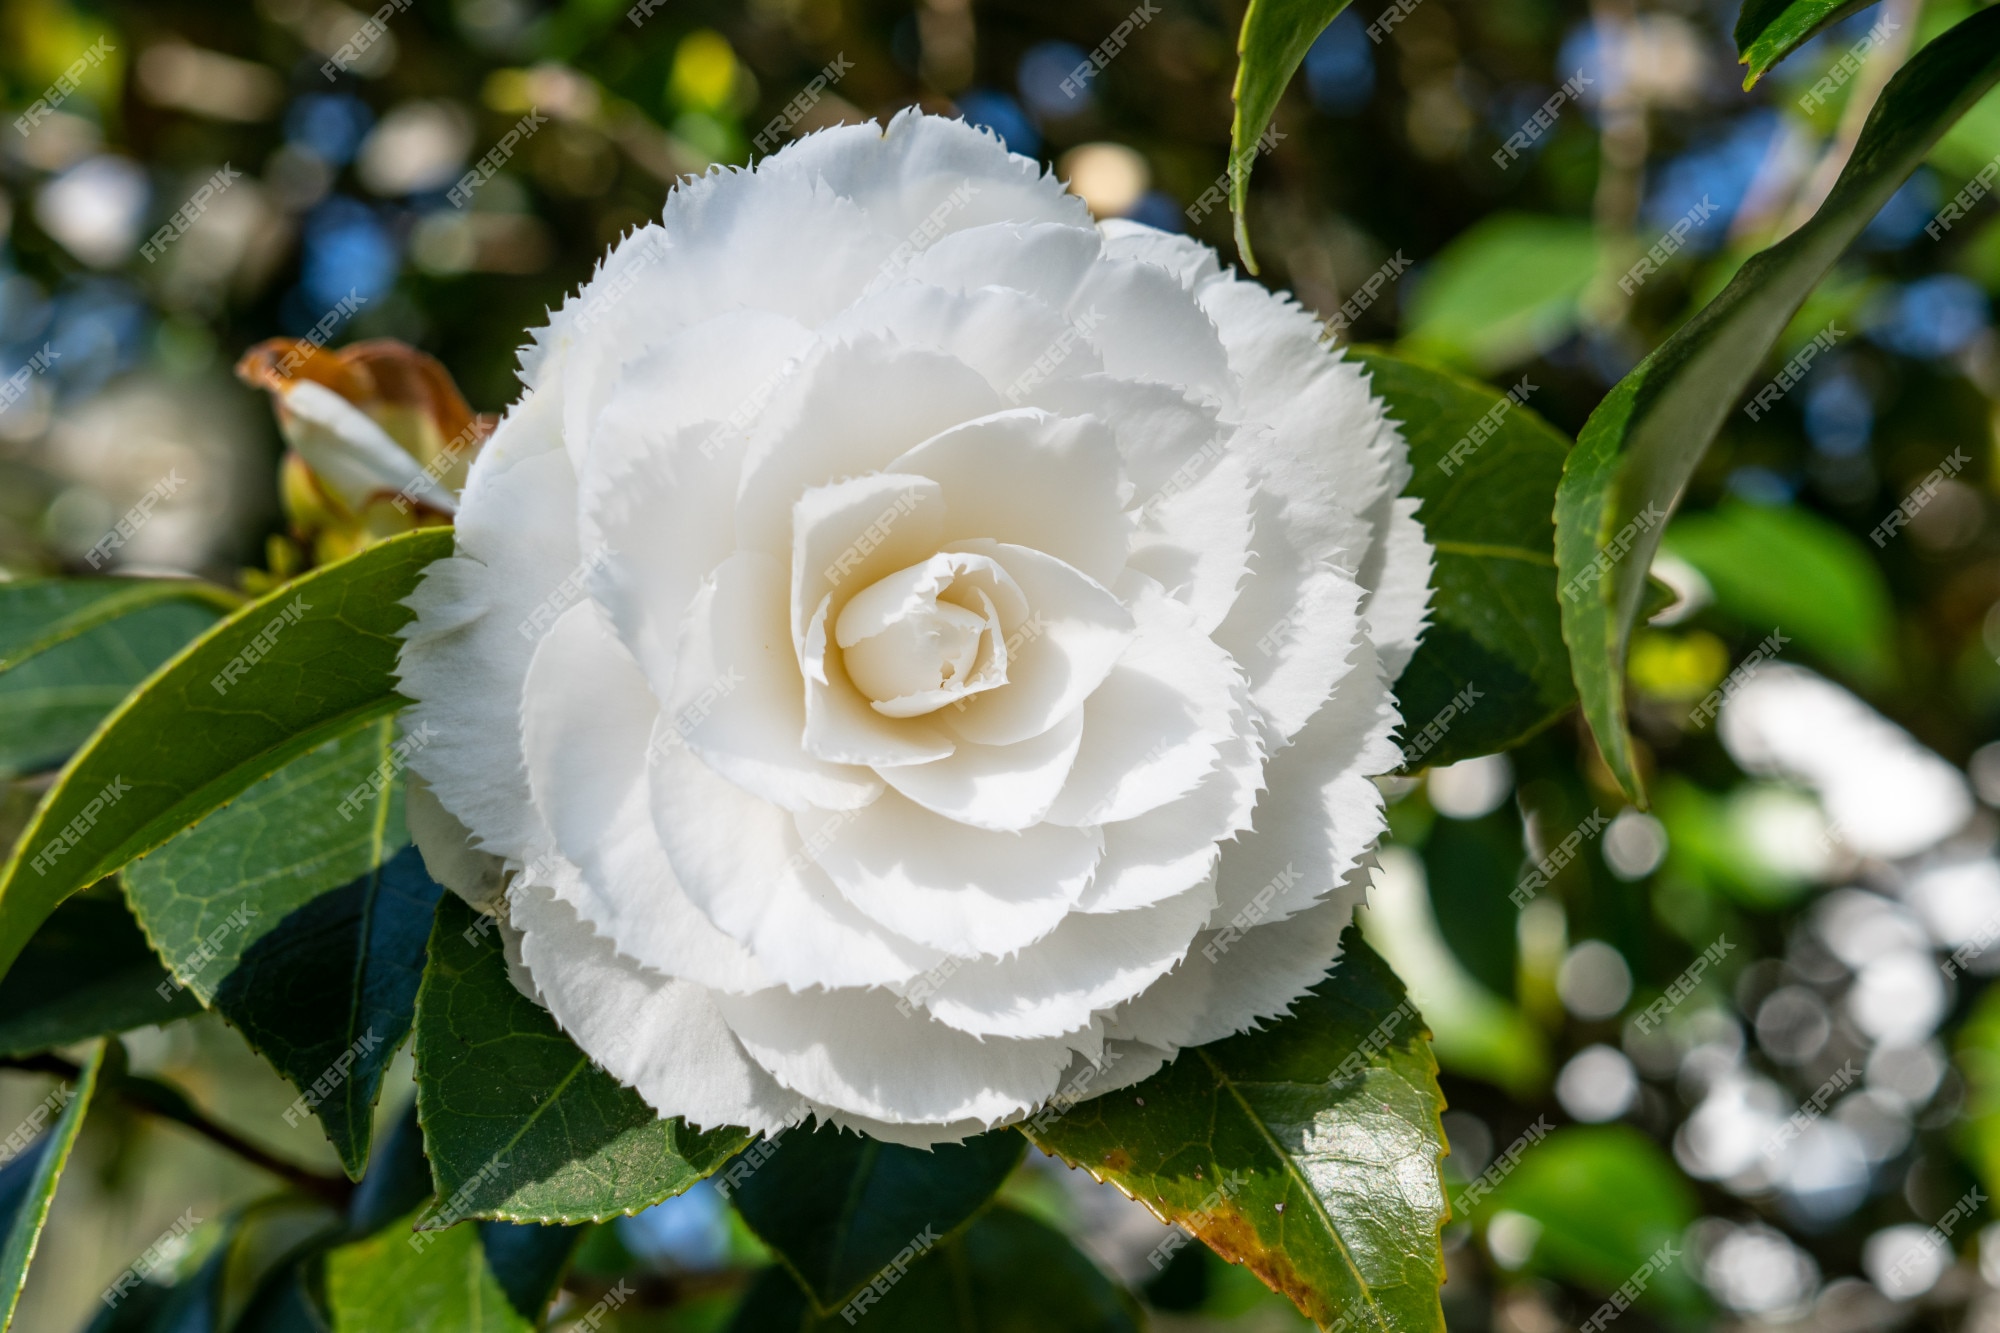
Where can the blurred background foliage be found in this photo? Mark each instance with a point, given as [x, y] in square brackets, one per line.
[1808, 907]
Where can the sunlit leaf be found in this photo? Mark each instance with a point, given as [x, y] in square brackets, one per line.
[1307, 1151]
[1769, 30]
[1273, 43]
[273, 681]
[1641, 445]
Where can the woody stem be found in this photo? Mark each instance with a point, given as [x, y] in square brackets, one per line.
[169, 1103]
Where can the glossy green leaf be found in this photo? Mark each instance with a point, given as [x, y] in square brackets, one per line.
[399, 1280]
[1609, 1201]
[28, 1182]
[835, 1207]
[398, 1177]
[245, 907]
[1307, 1151]
[72, 649]
[518, 1123]
[271, 682]
[88, 972]
[1006, 1273]
[215, 889]
[1641, 445]
[1271, 46]
[1502, 293]
[1486, 470]
[328, 994]
[1769, 30]
[1782, 568]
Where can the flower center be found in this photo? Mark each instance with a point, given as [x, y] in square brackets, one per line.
[923, 637]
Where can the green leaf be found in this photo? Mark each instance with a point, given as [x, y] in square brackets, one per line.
[1307, 1151]
[1778, 567]
[88, 972]
[397, 1280]
[1641, 445]
[398, 1177]
[1273, 43]
[835, 1206]
[215, 889]
[1006, 1273]
[28, 1184]
[1503, 292]
[1472, 865]
[245, 907]
[72, 649]
[1769, 30]
[1494, 623]
[529, 1261]
[37, 615]
[1606, 1199]
[518, 1123]
[328, 994]
[213, 721]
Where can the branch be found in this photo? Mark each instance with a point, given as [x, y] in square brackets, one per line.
[170, 1103]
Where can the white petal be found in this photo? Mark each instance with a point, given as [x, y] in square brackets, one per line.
[958, 889]
[1145, 328]
[1295, 628]
[850, 409]
[841, 726]
[1168, 850]
[1320, 813]
[587, 719]
[923, 176]
[661, 1037]
[1194, 539]
[1231, 982]
[480, 878]
[1191, 262]
[1030, 479]
[1044, 260]
[854, 1051]
[1087, 964]
[1010, 337]
[1152, 731]
[349, 452]
[1397, 575]
[739, 699]
[479, 615]
[741, 861]
[1075, 633]
[1003, 787]
[853, 532]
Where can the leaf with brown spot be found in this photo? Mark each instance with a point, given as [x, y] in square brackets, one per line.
[1307, 1152]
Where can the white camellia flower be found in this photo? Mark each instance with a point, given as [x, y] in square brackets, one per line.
[910, 646]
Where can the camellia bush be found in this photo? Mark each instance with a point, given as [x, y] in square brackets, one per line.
[920, 675]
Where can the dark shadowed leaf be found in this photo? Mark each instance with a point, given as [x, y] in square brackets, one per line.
[28, 1182]
[836, 1207]
[1308, 1151]
[273, 681]
[1276, 35]
[1769, 30]
[529, 1261]
[328, 993]
[1641, 445]
[1494, 624]
[519, 1125]
[397, 1180]
[88, 972]
[1006, 1273]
